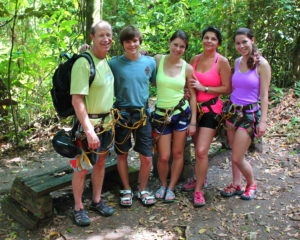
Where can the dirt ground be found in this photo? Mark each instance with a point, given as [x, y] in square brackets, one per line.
[274, 214]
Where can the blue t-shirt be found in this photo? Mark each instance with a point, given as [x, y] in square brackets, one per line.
[132, 80]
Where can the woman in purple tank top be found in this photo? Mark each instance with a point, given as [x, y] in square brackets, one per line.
[246, 118]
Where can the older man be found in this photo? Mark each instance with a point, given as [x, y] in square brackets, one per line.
[92, 105]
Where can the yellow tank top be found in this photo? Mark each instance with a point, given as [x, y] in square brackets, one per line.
[170, 90]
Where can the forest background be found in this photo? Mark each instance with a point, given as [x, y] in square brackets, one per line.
[33, 33]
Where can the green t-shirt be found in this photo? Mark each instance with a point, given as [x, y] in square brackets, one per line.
[99, 96]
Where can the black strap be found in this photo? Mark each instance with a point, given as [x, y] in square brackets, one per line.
[171, 110]
[130, 110]
[100, 115]
[88, 57]
[208, 103]
[244, 107]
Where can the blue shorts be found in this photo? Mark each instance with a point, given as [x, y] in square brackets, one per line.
[142, 135]
[179, 122]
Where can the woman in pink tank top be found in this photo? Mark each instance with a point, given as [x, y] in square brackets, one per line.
[212, 78]
[250, 84]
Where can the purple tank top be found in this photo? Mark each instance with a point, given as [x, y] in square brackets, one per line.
[245, 86]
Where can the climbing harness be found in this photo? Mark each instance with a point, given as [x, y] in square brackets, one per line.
[238, 113]
[81, 139]
[207, 104]
[125, 123]
[166, 119]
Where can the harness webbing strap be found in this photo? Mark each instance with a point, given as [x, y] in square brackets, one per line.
[207, 104]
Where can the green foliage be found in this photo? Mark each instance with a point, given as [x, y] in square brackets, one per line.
[276, 95]
[46, 28]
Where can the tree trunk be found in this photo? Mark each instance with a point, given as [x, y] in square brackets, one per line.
[296, 61]
[89, 10]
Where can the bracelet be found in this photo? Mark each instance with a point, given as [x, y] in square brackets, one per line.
[206, 89]
[193, 124]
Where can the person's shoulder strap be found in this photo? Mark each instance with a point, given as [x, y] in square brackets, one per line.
[89, 58]
[197, 60]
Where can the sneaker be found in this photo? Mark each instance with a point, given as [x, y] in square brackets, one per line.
[199, 200]
[102, 208]
[231, 190]
[191, 184]
[81, 218]
[250, 192]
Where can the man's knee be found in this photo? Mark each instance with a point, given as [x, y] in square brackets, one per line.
[146, 161]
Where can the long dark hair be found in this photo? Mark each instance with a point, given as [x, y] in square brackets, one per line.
[182, 35]
[255, 53]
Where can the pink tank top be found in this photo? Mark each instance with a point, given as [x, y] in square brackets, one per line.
[211, 78]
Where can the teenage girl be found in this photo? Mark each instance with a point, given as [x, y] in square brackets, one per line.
[250, 84]
[172, 113]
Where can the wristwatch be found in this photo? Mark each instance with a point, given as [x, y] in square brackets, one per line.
[206, 89]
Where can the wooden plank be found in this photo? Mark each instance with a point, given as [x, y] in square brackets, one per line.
[44, 183]
[41, 206]
[21, 215]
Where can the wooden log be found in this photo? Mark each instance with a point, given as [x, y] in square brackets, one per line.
[39, 206]
[22, 215]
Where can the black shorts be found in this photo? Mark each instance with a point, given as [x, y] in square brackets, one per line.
[209, 120]
[142, 135]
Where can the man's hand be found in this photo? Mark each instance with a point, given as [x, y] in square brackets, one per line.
[84, 47]
[93, 140]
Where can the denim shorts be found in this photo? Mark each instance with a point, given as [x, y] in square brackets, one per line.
[179, 122]
[248, 122]
[142, 135]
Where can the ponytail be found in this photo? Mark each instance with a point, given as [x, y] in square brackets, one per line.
[253, 59]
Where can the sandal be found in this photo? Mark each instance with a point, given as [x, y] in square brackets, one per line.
[81, 218]
[146, 200]
[126, 198]
[250, 192]
[228, 191]
[170, 196]
[199, 200]
[191, 184]
[160, 193]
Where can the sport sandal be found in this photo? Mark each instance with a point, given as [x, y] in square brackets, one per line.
[148, 200]
[126, 198]
[102, 208]
[250, 192]
[199, 200]
[160, 193]
[81, 218]
[170, 196]
[231, 190]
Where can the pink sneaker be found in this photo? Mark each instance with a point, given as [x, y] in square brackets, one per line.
[191, 184]
[199, 200]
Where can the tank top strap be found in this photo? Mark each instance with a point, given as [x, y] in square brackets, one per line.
[183, 69]
[162, 61]
[216, 60]
[197, 61]
[237, 64]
